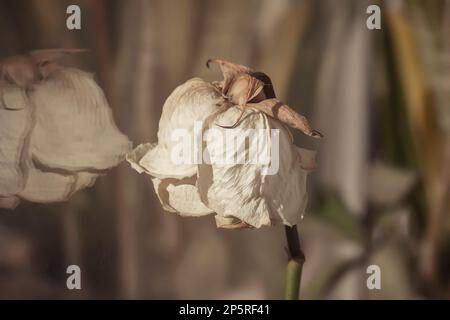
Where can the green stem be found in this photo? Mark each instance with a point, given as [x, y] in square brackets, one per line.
[295, 264]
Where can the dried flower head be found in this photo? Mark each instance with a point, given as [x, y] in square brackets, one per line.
[245, 192]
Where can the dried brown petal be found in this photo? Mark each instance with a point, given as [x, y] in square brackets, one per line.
[245, 88]
[282, 112]
[229, 70]
[230, 223]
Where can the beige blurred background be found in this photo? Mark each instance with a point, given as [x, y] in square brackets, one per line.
[381, 193]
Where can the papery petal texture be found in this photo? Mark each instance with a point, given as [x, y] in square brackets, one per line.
[189, 103]
[248, 191]
[175, 183]
[249, 173]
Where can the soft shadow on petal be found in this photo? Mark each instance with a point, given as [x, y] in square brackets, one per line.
[45, 187]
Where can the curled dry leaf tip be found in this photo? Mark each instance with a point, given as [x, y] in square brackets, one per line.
[247, 88]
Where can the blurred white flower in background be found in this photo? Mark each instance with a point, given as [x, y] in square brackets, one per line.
[57, 133]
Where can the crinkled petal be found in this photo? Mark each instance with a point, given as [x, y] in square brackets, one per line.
[176, 195]
[189, 103]
[74, 125]
[252, 192]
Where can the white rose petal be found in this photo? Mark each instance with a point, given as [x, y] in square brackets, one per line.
[243, 191]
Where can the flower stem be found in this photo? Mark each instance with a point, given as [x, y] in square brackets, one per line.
[295, 264]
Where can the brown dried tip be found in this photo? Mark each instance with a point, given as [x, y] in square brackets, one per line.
[243, 86]
[229, 70]
[282, 112]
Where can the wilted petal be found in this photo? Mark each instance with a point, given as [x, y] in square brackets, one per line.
[13, 97]
[74, 125]
[175, 183]
[134, 156]
[230, 223]
[282, 112]
[84, 179]
[230, 71]
[242, 191]
[180, 196]
[192, 101]
[14, 128]
[42, 186]
[175, 195]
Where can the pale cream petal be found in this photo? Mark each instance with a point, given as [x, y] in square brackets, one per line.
[192, 101]
[14, 128]
[84, 179]
[74, 125]
[176, 195]
[13, 97]
[241, 190]
[42, 186]
[134, 156]
[180, 196]
[230, 223]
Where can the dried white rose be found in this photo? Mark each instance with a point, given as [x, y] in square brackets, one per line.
[57, 132]
[240, 193]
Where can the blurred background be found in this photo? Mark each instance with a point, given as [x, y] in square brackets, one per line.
[381, 194]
